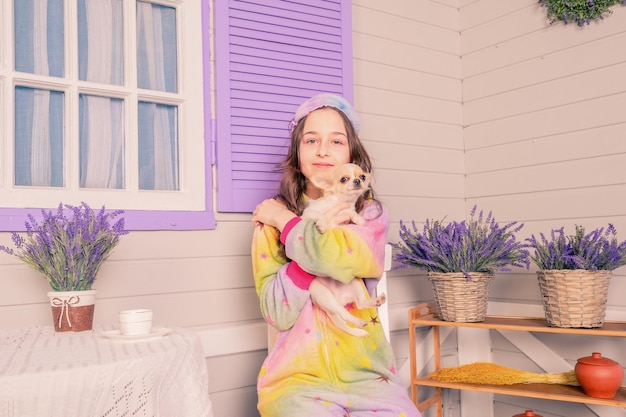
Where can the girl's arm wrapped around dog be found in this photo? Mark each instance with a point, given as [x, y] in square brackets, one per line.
[342, 253]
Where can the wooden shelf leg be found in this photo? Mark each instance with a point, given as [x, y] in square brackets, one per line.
[436, 399]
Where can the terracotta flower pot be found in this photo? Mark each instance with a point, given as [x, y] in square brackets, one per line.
[72, 310]
[599, 377]
[528, 413]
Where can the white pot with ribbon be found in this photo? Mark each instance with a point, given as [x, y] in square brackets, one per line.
[72, 310]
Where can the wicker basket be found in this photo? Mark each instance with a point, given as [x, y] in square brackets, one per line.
[574, 298]
[461, 299]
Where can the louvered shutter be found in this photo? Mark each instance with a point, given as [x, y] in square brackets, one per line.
[270, 56]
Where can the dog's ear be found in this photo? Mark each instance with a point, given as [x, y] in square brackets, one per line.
[323, 181]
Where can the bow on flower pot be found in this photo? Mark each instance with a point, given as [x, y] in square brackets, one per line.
[68, 248]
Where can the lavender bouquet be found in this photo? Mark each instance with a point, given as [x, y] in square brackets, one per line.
[68, 252]
[477, 245]
[594, 251]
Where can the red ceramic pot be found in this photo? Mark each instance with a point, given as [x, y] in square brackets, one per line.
[528, 413]
[599, 377]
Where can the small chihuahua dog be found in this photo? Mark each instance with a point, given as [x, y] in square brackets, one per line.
[345, 184]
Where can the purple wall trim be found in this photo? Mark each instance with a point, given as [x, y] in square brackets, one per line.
[222, 100]
[346, 35]
[13, 219]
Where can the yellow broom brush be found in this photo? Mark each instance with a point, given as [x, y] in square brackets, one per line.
[492, 374]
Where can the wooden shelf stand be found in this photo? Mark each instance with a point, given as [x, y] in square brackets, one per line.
[424, 315]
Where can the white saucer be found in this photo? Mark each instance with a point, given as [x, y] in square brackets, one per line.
[155, 333]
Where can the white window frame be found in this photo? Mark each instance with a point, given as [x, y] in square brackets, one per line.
[192, 195]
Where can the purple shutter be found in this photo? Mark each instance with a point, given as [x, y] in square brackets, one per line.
[271, 55]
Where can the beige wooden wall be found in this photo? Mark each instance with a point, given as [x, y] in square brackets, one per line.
[462, 102]
[541, 140]
[545, 123]
[545, 144]
[407, 88]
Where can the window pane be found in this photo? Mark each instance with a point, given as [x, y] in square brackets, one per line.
[39, 33]
[39, 145]
[156, 47]
[101, 140]
[158, 146]
[101, 41]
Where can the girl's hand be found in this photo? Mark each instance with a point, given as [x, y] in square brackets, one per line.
[273, 213]
[339, 213]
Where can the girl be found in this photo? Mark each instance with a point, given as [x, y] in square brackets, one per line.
[314, 368]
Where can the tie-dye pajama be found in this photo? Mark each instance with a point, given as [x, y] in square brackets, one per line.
[315, 369]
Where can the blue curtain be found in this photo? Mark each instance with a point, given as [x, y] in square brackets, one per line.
[40, 144]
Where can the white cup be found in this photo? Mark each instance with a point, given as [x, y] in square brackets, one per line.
[136, 322]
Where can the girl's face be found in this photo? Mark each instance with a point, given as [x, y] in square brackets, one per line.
[324, 145]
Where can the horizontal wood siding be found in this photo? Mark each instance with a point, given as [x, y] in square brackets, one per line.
[544, 139]
[407, 73]
[407, 76]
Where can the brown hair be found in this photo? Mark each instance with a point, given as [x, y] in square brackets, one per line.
[293, 183]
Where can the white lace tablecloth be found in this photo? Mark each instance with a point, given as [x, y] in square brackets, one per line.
[83, 374]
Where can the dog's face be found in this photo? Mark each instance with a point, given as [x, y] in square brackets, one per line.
[348, 181]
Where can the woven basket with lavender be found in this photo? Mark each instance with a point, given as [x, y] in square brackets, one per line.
[461, 258]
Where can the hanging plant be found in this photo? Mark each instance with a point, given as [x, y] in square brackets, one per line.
[580, 12]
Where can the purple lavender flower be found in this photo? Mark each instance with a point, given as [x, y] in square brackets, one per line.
[68, 252]
[596, 250]
[477, 245]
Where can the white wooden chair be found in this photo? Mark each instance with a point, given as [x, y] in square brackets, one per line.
[383, 311]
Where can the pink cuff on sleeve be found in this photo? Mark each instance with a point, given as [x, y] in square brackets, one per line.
[299, 276]
[290, 225]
